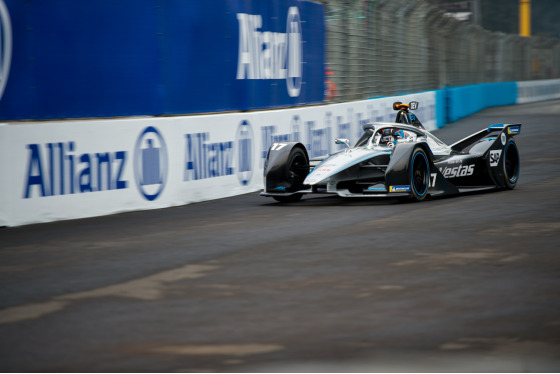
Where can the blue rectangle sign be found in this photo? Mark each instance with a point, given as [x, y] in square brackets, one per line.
[104, 58]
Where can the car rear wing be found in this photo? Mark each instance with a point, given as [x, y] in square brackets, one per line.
[509, 129]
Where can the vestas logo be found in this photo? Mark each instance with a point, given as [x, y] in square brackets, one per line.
[5, 46]
[150, 163]
[271, 55]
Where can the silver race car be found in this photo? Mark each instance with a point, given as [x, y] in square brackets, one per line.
[399, 159]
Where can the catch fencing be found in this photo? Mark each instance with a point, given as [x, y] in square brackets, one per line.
[388, 47]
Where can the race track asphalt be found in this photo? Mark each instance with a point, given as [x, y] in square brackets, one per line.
[243, 284]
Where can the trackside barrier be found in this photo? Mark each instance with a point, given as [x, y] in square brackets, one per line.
[74, 169]
[464, 101]
[540, 90]
[458, 102]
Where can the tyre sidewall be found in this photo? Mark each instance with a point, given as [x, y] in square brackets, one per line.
[295, 153]
[510, 183]
[419, 155]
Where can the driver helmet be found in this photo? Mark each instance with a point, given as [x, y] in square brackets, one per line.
[391, 136]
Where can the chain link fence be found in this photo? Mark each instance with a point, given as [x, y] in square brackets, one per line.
[390, 47]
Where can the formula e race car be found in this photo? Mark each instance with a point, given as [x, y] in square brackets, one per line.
[399, 159]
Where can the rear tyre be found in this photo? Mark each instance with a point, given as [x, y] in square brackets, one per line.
[296, 173]
[511, 165]
[419, 174]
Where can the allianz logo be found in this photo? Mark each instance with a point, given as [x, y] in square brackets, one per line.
[205, 159]
[271, 55]
[56, 169]
[60, 168]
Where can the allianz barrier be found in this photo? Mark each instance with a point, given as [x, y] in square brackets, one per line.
[84, 168]
[89, 59]
[75, 169]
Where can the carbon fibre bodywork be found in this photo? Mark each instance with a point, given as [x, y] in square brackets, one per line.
[396, 160]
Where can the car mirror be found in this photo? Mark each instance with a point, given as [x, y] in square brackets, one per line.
[342, 141]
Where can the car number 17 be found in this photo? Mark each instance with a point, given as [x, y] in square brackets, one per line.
[277, 146]
[433, 179]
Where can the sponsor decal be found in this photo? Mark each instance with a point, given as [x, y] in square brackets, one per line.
[377, 189]
[319, 139]
[150, 163]
[454, 161]
[343, 128]
[204, 159]
[399, 189]
[58, 169]
[457, 171]
[503, 138]
[244, 146]
[5, 46]
[513, 130]
[266, 55]
[296, 129]
[495, 157]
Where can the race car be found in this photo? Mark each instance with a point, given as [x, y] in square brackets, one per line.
[400, 159]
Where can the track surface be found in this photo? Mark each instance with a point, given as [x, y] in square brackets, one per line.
[468, 283]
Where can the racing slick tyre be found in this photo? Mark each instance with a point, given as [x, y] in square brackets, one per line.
[511, 165]
[419, 174]
[297, 171]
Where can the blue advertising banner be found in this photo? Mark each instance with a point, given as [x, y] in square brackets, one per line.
[104, 58]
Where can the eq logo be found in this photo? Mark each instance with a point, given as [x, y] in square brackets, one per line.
[244, 146]
[150, 163]
[5, 46]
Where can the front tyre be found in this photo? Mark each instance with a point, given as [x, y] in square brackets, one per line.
[511, 165]
[297, 170]
[419, 174]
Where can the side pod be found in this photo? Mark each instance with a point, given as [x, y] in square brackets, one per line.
[399, 174]
[398, 168]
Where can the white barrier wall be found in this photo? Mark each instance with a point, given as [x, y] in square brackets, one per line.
[4, 165]
[540, 90]
[75, 169]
